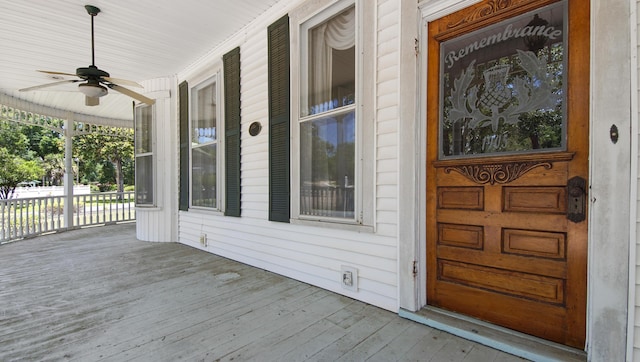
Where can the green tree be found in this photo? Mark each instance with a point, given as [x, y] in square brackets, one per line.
[15, 170]
[94, 148]
[53, 165]
[14, 141]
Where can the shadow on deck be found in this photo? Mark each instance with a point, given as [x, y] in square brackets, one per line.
[99, 294]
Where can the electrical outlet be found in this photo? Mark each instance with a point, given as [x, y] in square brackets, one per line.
[349, 278]
[203, 240]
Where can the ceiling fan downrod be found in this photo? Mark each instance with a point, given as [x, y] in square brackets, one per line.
[93, 11]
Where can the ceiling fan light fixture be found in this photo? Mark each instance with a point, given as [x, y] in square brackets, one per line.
[92, 90]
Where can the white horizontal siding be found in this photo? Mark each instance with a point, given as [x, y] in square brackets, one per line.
[313, 254]
[154, 223]
[387, 95]
[255, 150]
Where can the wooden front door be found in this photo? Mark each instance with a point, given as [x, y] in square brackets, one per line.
[507, 160]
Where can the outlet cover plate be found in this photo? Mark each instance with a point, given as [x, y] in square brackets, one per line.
[349, 278]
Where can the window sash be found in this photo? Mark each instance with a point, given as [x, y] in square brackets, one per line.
[328, 178]
[144, 156]
[205, 126]
[144, 130]
[144, 180]
[326, 203]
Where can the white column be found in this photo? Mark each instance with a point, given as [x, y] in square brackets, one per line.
[68, 173]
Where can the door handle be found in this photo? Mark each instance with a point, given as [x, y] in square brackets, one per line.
[576, 199]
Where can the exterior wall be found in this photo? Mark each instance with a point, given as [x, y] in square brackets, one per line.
[159, 223]
[310, 253]
[387, 109]
[610, 213]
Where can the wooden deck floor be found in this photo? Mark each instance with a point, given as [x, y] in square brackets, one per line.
[99, 294]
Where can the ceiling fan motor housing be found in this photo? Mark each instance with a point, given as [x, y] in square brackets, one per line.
[91, 72]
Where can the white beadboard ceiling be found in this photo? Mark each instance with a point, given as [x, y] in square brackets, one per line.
[136, 40]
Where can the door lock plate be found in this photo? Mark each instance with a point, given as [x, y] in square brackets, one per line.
[576, 199]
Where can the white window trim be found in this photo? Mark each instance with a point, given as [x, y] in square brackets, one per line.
[154, 158]
[197, 82]
[301, 19]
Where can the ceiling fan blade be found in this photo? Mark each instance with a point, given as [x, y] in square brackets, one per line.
[48, 85]
[56, 73]
[132, 94]
[122, 82]
[91, 101]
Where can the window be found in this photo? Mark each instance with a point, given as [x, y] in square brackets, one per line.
[328, 121]
[332, 123]
[144, 146]
[210, 143]
[204, 127]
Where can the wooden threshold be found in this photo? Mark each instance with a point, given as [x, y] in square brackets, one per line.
[502, 339]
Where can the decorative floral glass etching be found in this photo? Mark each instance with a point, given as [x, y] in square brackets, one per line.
[502, 87]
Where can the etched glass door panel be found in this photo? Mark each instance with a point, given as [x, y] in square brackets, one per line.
[502, 87]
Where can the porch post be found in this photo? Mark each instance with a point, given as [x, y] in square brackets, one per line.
[68, 173]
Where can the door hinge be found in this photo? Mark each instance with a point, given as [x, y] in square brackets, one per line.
[415, 268]
[416, 46]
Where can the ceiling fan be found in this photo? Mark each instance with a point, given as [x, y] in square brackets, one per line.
[95, 80]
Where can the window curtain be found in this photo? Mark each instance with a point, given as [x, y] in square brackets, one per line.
[337, 33]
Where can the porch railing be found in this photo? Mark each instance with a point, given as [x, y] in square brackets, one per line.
[27, 217]
[327, 201]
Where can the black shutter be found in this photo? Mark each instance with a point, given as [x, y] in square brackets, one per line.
[279, 120]
[183, 95]
[231, 62]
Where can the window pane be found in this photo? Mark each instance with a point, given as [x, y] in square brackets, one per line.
[203, 174]
[502, 87]
[204, 125]
[204, 147]
[144, 129]
[144, 180]
[331, 65]
[327, 161]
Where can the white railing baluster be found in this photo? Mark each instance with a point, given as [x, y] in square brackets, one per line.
[15, 222]
[26, 217]
[104, 209]
[3, 207]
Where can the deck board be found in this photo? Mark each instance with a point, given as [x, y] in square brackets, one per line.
[98, 294]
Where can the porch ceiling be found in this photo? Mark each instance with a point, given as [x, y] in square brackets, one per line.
[135, 40]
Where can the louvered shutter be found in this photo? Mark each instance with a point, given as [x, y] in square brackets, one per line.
[183, 94]
[231, 62]
[279, 120]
